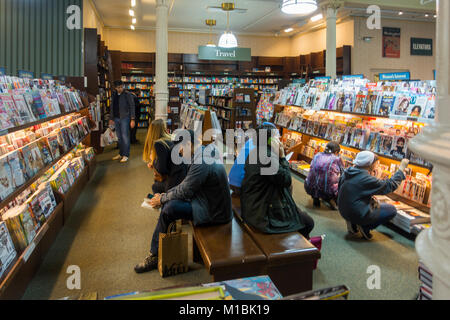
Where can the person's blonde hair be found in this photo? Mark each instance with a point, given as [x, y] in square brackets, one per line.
[156, 132]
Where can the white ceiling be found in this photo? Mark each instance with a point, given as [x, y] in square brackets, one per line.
[262, 17]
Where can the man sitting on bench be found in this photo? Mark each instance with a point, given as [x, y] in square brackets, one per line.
[266, 200]
[203, 197]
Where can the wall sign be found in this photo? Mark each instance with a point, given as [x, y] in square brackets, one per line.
[26, 74]
[353, 76]
[229, 54]
[391, 42]
[322, 78]
[46, 76]
[421, 47]
[395, 76]
[2, 71]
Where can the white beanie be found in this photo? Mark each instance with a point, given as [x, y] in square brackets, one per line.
[364, 159]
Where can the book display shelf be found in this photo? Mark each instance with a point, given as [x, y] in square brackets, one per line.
[371, 117]
[44, 168]
[146, 97]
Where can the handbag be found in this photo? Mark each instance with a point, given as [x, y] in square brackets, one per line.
[173, 252]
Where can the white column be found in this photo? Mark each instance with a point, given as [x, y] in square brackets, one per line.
[161, 84]
[329, 10]
[433, 245]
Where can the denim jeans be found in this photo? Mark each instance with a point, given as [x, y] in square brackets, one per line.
[387, 213]
[171, 211]
[123, 134]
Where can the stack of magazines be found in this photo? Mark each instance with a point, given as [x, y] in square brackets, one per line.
[426, 286]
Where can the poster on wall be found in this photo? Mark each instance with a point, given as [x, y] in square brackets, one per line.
[391, 42]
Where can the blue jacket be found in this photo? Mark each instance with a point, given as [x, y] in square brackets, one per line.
[237, 172]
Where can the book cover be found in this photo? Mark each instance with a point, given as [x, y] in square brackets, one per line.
[38, 105]
[6, 179]
[11, 110]
[371, 104]
[16, 169]
[254, 288]
[7, 251]
[45, 151]
[25, 113]
[5, 120]
[387, 101]
[52, 141]
[417, 105]
[360, 103]
[401, 104]
[399, 148]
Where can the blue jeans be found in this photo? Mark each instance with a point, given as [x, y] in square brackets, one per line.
[171, 211]
[387, 213]
[123, 134]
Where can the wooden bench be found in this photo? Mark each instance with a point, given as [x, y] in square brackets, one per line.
[227, 251]
[290, 257]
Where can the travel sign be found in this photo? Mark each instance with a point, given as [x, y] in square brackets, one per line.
[228, 54]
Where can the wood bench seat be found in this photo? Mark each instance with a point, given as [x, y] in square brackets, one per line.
[227, 251]
[290, 257]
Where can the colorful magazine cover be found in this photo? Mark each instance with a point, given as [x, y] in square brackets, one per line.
[387, 101]
[53, 143]
[401, 105]
[25, 112]
[417, 105]
[399, 147]
[430, 109]
[10, 107]
[6, 179]
[348, 102]
[371, 104]
[5, 120]
[16, 169]
[38, 105]
[360, 103]
[7, 250]
[45, 151]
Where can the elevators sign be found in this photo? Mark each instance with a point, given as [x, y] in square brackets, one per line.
[421, 47]
[228, 54]
[391, 42]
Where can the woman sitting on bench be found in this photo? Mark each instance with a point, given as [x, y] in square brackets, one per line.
[266, 200]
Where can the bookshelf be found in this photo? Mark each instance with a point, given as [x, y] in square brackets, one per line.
[173, 109]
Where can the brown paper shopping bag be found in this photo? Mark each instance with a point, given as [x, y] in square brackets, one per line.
[173, 252]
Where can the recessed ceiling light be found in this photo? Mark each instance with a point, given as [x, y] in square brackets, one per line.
[427, 15]
[400, 13]
[132, 27]
[317, 17]
[131, 12]
[134, 20]
[133, 3]
[288, 30]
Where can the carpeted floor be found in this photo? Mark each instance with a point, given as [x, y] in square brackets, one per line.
[108, 233]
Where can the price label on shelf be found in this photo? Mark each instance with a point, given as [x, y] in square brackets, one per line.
[29, 251]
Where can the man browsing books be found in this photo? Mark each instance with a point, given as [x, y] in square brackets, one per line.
[122, 116]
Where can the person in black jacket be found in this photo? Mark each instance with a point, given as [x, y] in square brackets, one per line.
[266, 198]
[356, 190]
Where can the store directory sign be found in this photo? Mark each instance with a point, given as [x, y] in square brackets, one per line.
[228, 54]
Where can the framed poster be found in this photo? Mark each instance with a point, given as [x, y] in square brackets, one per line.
[421, 47]
[391, 42]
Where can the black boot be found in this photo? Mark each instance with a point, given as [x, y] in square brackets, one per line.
[150, 263]
[316, 202]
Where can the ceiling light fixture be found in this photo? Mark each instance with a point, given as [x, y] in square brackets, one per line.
[400, 13]
[134, 21]
[133, 3]
[299, 6]
[228, 40]
[132, 27]
[131, 12]
[435, 15]
[427, 15]
[211, 23]
[288, 30]
[317, 17]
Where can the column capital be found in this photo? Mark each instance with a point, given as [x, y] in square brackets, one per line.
[162, 3]
[331, 4]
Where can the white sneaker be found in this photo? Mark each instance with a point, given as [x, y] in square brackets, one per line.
[118, 157]
[124, 159]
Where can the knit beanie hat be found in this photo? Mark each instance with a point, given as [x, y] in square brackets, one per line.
[364, 159]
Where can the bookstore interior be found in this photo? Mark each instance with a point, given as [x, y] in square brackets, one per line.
[371, 77]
